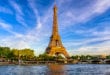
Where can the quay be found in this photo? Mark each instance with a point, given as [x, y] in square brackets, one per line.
[106, 61]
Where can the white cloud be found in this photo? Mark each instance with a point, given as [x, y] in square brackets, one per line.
[84, 46]
[101, 30]
[70, 15]
[16, 7]
[9, 28]
[19, 13]
[5, 10]
[5, 25]
[88, 41]
[20, 19]
[34, 8]
[102, 6]
[98, 49]
[14, 42]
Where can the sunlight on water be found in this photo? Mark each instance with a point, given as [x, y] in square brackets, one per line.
[56, 70]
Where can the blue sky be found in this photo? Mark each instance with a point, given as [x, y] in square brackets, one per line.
[84, 25]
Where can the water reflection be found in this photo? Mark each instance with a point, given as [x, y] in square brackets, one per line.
[55, 69]
[77, 69]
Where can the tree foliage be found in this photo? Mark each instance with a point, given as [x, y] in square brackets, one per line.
[45, 57]
[15, 54]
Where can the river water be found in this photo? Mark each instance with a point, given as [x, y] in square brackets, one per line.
[77, 69]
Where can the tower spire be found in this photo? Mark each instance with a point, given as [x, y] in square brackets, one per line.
[54, 2]
[55, 21]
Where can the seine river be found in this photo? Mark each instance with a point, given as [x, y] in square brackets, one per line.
[77, 69]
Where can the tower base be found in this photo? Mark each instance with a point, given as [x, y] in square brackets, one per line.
[54, 51]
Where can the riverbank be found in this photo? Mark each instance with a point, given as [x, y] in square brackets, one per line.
[45, 63]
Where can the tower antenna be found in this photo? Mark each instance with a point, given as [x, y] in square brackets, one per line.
[55, 2]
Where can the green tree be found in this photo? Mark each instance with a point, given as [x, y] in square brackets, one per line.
[45, 57]
[4, 51]
[75, 57]
[108, 57]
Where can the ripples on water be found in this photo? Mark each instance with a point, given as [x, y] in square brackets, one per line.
[82, 69]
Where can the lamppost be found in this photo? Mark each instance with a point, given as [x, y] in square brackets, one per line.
[19, 61]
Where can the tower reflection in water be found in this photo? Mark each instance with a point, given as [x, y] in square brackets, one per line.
[55, 69]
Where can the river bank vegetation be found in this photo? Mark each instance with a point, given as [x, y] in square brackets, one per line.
[13, 55]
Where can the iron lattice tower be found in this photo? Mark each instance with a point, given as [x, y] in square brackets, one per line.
[55, 45]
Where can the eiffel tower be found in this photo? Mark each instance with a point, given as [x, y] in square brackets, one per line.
[55, 46]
